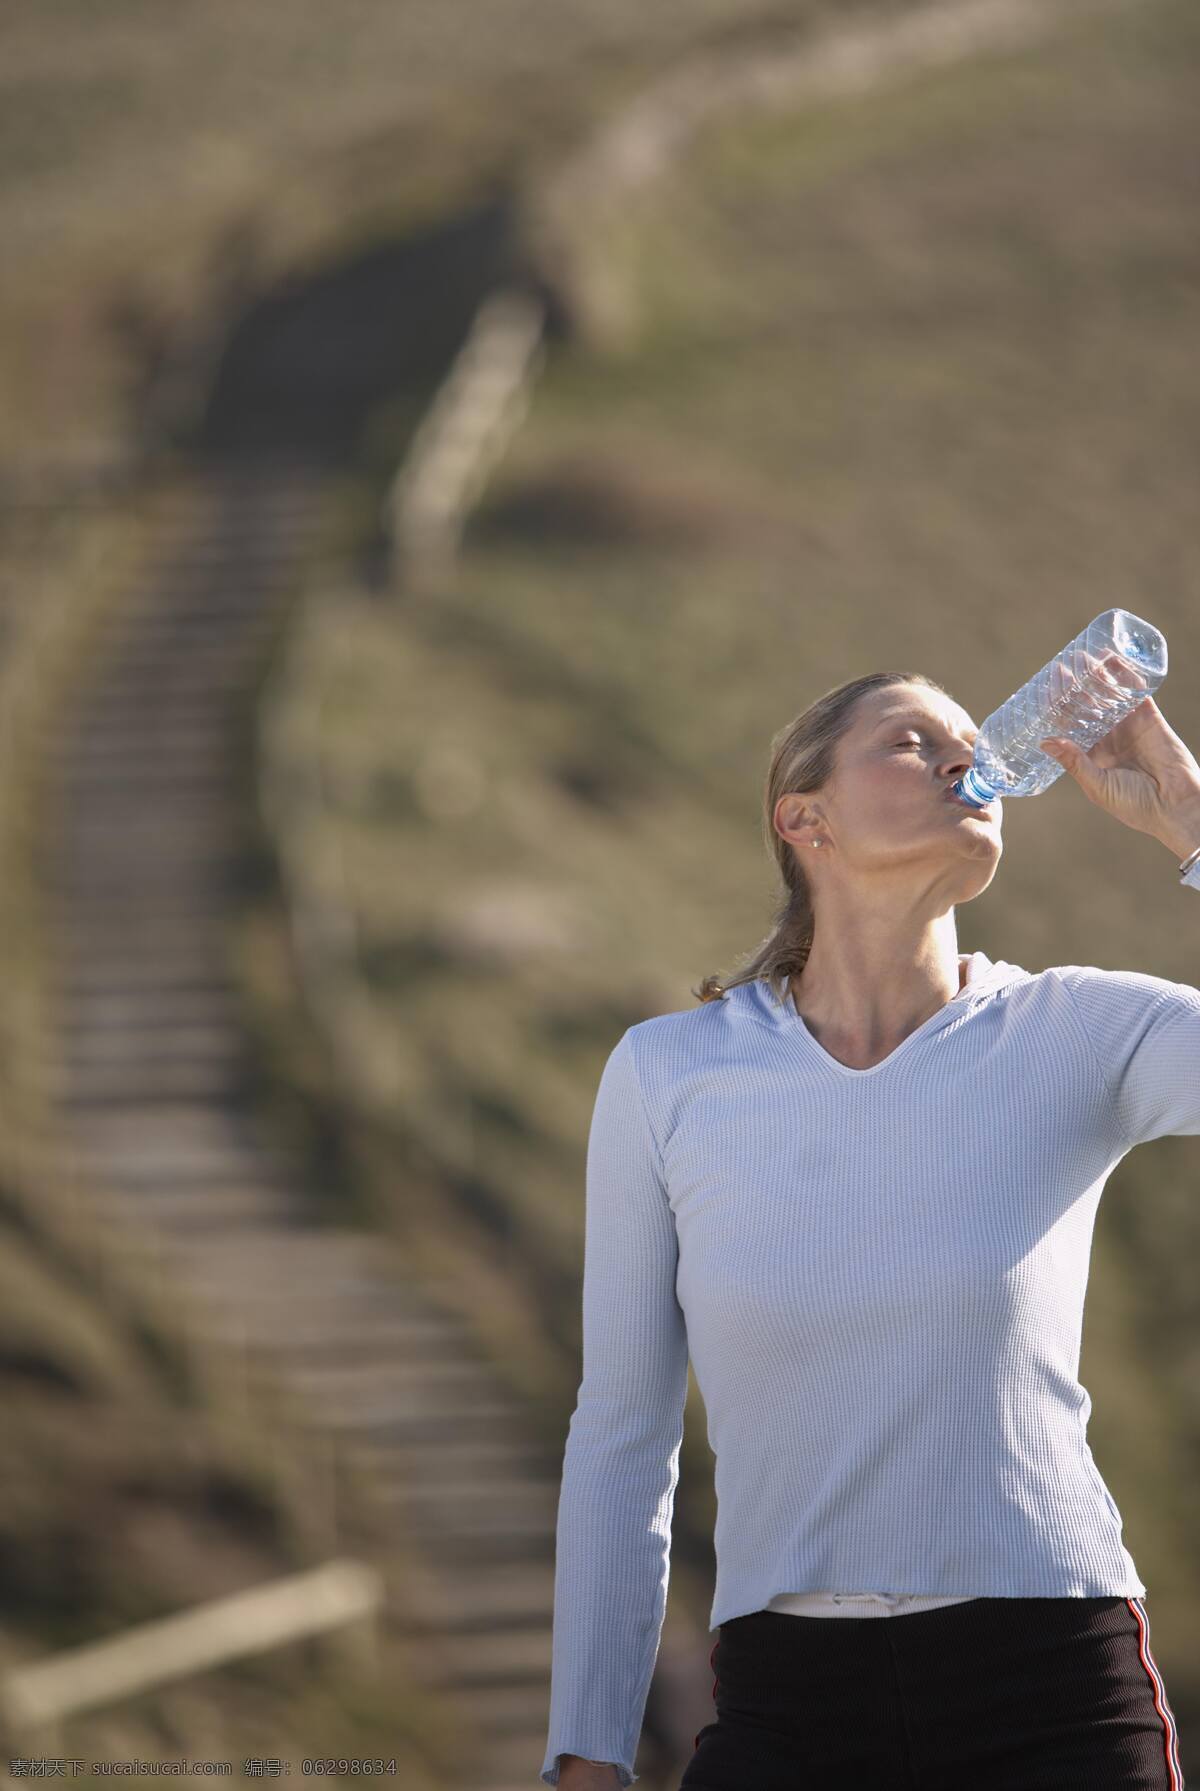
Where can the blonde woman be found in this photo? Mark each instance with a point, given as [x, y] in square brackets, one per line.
[857, 1184]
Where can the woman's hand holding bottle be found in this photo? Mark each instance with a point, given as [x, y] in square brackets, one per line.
[1142, 774]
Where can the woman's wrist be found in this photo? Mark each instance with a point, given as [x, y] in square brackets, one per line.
[1181, 830]
[588, 1775]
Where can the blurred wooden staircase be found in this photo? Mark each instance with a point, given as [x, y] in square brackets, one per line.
[154, 1127]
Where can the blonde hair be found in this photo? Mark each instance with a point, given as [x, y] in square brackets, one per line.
[802, 759]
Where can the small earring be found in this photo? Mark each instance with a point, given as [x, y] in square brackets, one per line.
[816, 842]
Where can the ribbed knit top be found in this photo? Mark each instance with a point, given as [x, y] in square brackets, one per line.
[879, 1275]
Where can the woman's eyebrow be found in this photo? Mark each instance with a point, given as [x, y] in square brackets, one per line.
[912, 715]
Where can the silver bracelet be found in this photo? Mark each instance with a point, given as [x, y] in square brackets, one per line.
[1188, 862]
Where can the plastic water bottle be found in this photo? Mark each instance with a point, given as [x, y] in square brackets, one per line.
[1115, 664]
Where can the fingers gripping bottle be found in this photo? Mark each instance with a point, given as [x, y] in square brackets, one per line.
[1115, 664]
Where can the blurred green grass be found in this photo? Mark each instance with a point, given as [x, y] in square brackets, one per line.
[914, 386]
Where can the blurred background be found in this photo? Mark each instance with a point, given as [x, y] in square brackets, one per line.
[440, 448]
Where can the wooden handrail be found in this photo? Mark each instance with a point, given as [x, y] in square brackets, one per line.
[41, 1694]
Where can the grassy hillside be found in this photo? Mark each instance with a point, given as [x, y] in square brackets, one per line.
[155, 164]
[914, 386]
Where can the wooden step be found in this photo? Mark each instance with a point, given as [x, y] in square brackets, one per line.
[143, 772]
[201, 961]
[489, 1415]
[189, 827]
[106, 1147]
[195, 622]
[127, 1086]
[144, 1011]
[109, 708]
[350, 1334]
[104, 982]
[136, 1045]
[460, 1547]
[198, 1209]
[350, 1395]
[187, 889]
[180, 910]
[510, 1710]
[326, 1254]
[472, 1597]
[456, 1457]
[520, 1502]
[505, 1654]
[196, 772]
[110, 751]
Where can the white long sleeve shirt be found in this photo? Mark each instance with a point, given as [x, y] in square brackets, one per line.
[879, 1275]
